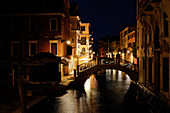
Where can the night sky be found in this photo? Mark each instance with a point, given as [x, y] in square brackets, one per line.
[107, 17]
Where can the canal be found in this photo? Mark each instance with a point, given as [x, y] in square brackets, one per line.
[105, 92]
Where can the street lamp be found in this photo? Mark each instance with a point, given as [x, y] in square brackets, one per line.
[68, 42]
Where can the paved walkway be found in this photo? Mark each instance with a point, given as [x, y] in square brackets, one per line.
[65, 80]
[10, 101]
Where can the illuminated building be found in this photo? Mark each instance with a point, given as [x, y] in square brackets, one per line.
[81, 40]
[108, 46]
[115, 48]
[153, 33]
[127, 39]
[83, 48]
[75, 33]
[102, 48]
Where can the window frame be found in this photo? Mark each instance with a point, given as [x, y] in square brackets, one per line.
[30, 42]
[56, 24]
[12, 50]
[54, 41]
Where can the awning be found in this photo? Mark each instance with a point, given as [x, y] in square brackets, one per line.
[50, 60]
[33, 63]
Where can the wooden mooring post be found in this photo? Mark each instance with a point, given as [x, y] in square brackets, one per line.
[21, 94]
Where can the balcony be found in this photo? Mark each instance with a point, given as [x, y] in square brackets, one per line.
[82, 42]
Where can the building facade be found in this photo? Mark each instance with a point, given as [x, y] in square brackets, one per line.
[81, 39]
[75, 36]
[83, 44]
[31, 27]
[115, 46]
[127, 39]
[153, 33]
[102, 48]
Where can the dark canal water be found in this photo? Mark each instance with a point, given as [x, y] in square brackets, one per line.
[103, 93]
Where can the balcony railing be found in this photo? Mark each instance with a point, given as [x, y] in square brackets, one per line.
[82, 42]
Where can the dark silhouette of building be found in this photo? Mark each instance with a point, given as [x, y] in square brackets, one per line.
[29, 27]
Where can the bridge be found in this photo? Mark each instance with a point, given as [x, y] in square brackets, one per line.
[85, 70]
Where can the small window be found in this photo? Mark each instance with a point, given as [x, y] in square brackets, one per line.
[82, 28]
[83, 49]
[53, 24]
[54, 47]
[32, 48]
[33, 25]
[14, 49]
[83, 39]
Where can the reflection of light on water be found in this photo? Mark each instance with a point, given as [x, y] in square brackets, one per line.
[117, 75]
[113, 70]
[66, 100]
[91, 83]
[75, 101]
[87, 86]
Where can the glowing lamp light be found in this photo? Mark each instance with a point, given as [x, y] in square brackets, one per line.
[127, 51]
[119, 52]
[75, 59]
[90, 51]
[68, 42]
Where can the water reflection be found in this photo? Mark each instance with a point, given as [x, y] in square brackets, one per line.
[103, 93]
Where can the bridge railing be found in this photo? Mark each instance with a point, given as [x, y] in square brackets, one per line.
[86, 66]
[93, 63]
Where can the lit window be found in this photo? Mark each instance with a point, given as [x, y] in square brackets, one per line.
[53, 46]
[32, 48]
[15, 48]
[53, 24]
